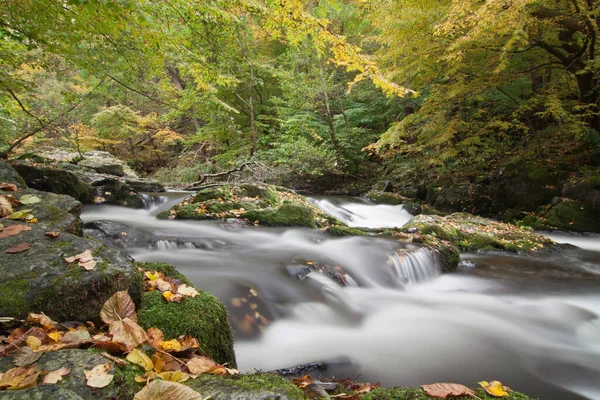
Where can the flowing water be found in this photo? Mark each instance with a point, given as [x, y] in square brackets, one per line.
[380, 309]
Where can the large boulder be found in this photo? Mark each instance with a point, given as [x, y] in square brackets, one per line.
[472, 233]
[257, 203]
[41, 280]
[9, 175]
[260, 386]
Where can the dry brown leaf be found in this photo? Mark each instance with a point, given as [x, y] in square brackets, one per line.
[18, 248]
[5, 207]
[52, 234]
[85, 259]
[40, 319]
[88, 265]
[110, 346]
[54, 377]
[155, 336]
[200, 365]
[27, 383]
[140, 358]
[118, 307]
[303, 381]
[165, 362]
[25, 356]
[367, 387]
[13, 230]
[444, 390]
[77, 336]
[163, 285]
[128, 331]
[188, 291]
[98, 377]
[223, 370]
[164, 390]
[9, 187]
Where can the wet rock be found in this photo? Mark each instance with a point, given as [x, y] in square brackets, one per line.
[116, 234]
[9, 175]
[572, 215]
[73, 386]
[40, 280]
[144, 185]
[467, 264]
[383, 197]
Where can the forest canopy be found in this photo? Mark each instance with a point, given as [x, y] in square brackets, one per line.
[309, 88]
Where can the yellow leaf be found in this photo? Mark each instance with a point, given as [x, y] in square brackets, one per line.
[167, 295]
[154, 275]
[496, 389]
[171, 345]
[33, 342]
[174, 376]
[140, 358]
[54, 336]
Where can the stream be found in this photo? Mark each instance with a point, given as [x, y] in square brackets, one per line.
[381, 310]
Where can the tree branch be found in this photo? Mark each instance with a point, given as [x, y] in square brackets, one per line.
[204, 177]
[144, 94]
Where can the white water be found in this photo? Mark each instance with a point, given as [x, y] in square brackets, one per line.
[398, 321]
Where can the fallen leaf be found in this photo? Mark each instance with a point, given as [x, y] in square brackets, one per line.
[23, 214]
[495, 388]
[444, 390]
[367, 387]
[33, 342]
[118, 307]
[25, 356]
[303, 381]
[155, 336]
[98, 377]
[165, 362]
[110, 346]
[127, 331]
[13, 377]
[188, 291]
[9, 187]
[89, 265]
[77, 336]
[223, 370]
[174, 376]
[200, 365]
[165, 390]
[170, 345]
[52, 235]
[54, 377]
[13, 230]
[27, 383]
[40, 319]
[5, 207]
[163, 285]
[140, 358]
[18, 248]
[29, 199]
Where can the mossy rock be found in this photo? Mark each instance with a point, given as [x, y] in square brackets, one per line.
[392, 199]
[472, 233]
[341, 230]
[286, 215]
[261, 386]
[203, 317]
[40, 280]
[573, 215]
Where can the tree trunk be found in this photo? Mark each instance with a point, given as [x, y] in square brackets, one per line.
[589, 93]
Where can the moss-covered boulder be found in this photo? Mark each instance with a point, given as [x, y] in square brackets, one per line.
[258, 203]
[472, 233]
[203, 317]
[571, 215]
[418, 394]
[380, 197]
[40, 280]
[72, 386]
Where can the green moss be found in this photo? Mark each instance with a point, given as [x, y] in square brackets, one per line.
[163, 215]
[166, 269]
[574, 216]
[418, 394]
[385, 198]
[250, 383]
[203, 317]
[124, 380]
[12, 297]
[188, 211]
[210, 194]
[339, 230]
[286, 215]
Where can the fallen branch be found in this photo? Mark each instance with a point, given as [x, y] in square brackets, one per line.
[204, 177]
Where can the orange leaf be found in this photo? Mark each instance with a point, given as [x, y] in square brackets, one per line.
[128, 331]
[200, 365]
[19, 248]
[13, 230]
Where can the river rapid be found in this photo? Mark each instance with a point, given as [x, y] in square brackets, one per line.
[531, 323]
